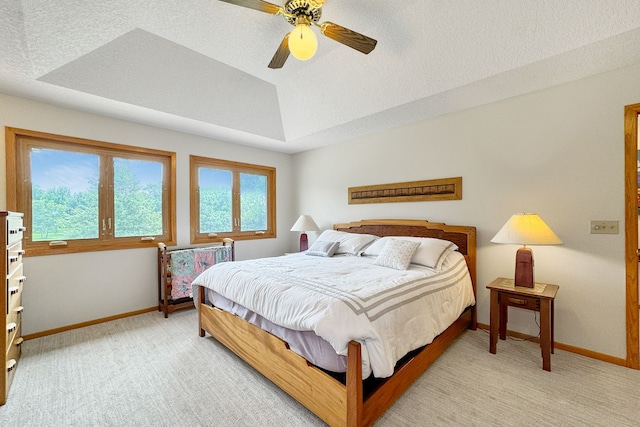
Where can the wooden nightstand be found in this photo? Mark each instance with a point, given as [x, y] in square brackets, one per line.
[539, 298]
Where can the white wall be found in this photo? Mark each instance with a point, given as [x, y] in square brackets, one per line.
[557, 152]
[64, 290]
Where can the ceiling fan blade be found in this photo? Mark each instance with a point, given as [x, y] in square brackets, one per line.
[260, 5]
[348, 37]
[281, 54]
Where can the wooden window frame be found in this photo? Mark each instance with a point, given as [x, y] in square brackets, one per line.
[197, 237]
[19, 189]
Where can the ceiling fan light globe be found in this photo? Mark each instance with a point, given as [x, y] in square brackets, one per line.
[303, 42]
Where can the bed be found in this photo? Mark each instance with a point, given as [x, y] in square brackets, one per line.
[348, 398]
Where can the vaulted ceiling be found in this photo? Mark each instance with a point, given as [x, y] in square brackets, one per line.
[200, 66]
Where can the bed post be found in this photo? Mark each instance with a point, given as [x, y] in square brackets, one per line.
[470, 257]
[354, 385]
[200, 302]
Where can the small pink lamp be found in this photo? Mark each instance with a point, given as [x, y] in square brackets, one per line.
[304, 223]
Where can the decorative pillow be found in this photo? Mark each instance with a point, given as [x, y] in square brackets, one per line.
[375, 248]
[397, 254]
[320, 248]
[431, 252]
[350, 243]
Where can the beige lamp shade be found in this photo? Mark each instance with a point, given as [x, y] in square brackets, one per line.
[305, 223]
[526, 229]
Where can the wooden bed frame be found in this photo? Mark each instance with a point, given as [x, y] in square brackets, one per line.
[335, 402]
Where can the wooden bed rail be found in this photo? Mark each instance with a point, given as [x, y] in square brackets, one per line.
[337, 404]
[323, 395]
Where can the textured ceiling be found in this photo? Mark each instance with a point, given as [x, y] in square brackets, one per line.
[200, 66]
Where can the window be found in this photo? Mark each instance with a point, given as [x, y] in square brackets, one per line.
[230, 199]
[80, 195]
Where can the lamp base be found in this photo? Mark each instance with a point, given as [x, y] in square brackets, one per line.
[304, 242]
[524, 268]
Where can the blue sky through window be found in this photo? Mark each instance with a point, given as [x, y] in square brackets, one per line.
[215, 178]
[55, 168]
[76, 171]
[145, 171]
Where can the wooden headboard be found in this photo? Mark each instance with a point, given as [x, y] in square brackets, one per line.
[462, 235]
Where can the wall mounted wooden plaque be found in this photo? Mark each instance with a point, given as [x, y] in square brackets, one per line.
[416, 191]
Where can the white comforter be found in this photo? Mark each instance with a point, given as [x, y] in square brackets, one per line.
[346, 298]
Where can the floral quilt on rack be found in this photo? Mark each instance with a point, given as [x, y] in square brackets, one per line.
[186, 264]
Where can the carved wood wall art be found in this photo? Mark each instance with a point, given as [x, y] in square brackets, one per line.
[415, 191]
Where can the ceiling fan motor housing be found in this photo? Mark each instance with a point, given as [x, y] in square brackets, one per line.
[307, 8]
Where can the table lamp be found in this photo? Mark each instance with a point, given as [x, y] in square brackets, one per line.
[526, 229]
[304, 223]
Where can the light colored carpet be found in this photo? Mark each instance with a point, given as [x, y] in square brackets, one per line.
[151, 371]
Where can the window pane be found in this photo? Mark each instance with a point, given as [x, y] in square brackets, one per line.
[253, 202]
[215, 200]
[137, 193]
[64, 195]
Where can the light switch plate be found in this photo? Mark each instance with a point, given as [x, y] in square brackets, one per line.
[604, 227]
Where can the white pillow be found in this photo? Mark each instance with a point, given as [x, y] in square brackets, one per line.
[375, 248]
[350, 243]
[431, 253]
[397, 254]
[321, 248]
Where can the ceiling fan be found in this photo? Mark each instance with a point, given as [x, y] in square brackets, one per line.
[302, 42]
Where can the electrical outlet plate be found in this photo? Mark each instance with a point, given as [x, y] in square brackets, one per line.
[604, 227]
